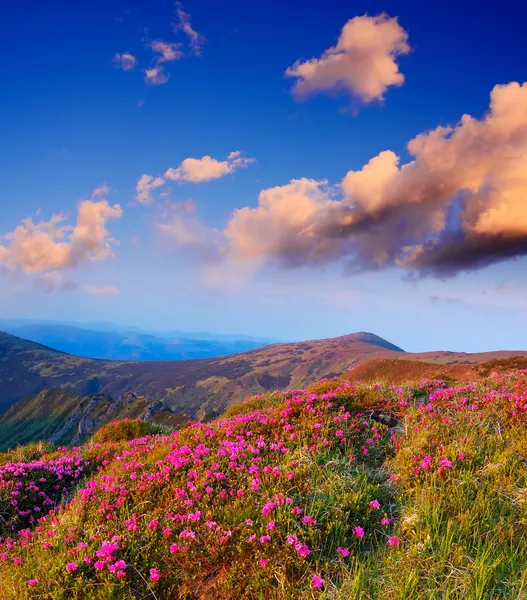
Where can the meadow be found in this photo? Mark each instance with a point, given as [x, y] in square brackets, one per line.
[341, 491]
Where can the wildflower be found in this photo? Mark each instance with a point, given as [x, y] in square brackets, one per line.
[270, 526]
[33, 582]
[343, 551]
[155, 574]
[385, 521]
[359, 532]
[263, 562]
[265, 538]
[99, 565]
[153, 524]
[374, 504]
[317, 582]
[394, 541]
[71, 567]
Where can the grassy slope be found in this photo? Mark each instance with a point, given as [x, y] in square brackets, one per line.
[451, 479]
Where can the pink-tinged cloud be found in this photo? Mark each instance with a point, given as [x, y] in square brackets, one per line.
[459, 205]
[199, 170]
[156, 75]
[179, 221]
[102, 291]
[166, 51]
[54, 281]
[145, 187]
[362, 64]
[124, 61]
[53, 245]
[195, 39]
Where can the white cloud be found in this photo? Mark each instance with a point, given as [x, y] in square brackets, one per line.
[362, 63]
[167, 52]
[458, 205]
[145, 186]
[156, 75]
[196, 40]
[52, 245]
[198, 170]
[124, 61]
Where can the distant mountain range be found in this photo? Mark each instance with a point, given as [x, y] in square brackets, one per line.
[111, 342]
[48, 386]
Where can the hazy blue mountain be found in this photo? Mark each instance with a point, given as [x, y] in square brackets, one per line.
[10, 325]
[126, 345]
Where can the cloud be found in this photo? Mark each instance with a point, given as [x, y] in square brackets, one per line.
[156, 75]
[438, 299]
[167, 52]
[54, 281]
[102, 291]
[196, 40]
[124, 61]
[145, 186]
[459, 205]
[103, 190]
[362, 63]
[52, 245]
[198, 170]
[181, 224]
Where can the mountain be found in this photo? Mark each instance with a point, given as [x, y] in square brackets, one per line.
[128, 345]
[194, 387]
[189, 388]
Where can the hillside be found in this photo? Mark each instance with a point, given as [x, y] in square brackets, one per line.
[64, 418]
[194, 387]
[126, 345]
[342, 492]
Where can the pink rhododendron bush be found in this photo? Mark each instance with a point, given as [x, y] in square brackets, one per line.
[342, 491]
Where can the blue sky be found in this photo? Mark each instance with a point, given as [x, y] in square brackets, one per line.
[71, 120]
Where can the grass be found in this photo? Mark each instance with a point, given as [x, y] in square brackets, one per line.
[189, 513]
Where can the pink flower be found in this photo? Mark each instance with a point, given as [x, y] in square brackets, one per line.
[265, 538]
[70, 567]
[394, 541]
[99, 565]
[155, 574]
[32, 582]
[270, 526]
[167, 532]
[359, 532]
[385, 521]
[153, 524]
[343, 551]
[374, 504]
[263, 562]
[302, 549]
[316, 581]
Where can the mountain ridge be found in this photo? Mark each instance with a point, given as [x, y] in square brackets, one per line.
[199, 388]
